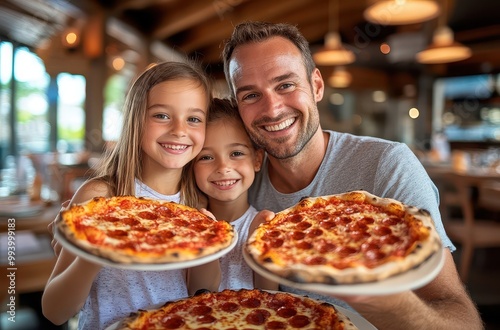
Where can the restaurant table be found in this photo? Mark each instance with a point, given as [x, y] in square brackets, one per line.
[24, 226]
[475, 192]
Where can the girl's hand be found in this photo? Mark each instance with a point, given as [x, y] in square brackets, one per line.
[51, 228]
[207, 213]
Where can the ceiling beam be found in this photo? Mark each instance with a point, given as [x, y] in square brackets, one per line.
[218, 29]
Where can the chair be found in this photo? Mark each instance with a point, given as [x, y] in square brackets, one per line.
[72, 177]
[469, 195]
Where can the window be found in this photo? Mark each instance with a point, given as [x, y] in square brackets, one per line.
[70, 113]
[38, 112]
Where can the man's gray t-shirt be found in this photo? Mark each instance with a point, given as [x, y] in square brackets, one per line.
[381, 167]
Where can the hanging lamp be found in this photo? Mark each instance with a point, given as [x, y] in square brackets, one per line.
[333, 52]
[443, 49]
[340, 78]
[401, 12]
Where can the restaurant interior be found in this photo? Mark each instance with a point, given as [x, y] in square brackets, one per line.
[425, 76]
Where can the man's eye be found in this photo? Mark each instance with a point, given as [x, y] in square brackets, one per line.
[286, 86]
[249, 96]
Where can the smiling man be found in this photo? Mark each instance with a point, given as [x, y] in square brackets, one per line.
[277, 86]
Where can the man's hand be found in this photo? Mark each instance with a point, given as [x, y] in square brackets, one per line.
[261, 217]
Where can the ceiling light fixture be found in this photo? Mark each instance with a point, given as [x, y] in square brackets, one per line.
[443, 49]
[340, 78]
[333, 53]
[400, 12]
[71, 37]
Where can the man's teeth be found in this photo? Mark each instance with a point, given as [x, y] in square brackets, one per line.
[280, 126]
[174, 146]
[225, 183]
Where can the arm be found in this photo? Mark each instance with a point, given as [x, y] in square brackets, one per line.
[441, 304]
[206, 276]
[72, 277]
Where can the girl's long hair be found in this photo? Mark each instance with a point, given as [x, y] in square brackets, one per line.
[121, 165]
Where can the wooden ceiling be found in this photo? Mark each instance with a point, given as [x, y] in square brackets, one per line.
[198, 27]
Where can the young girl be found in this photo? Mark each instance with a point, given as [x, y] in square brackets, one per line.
[164, 129]
[224, 170]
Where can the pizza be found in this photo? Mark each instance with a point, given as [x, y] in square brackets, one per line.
[353, 237]
[241, 309]
[128, 229]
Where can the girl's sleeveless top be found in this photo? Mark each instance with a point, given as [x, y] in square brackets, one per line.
[116, 293]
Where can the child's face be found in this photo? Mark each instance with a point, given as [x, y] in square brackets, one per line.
[175, 124]
[226, 166]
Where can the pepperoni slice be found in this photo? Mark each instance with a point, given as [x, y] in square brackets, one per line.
[204, 319]
[276, 243]
[342, 220]
[303, 225]
[324, 247]
[345, 251]
[286, 312]
[276, 325]
[250, 302]
[258, 316]
[303, 245]
[229, 307]
[390, 239]
[295, 218]
[147, 215]
[315, 232]
[117, 234]
[299, 321]
[172, 322]
[298, 235]
[131, 221]
[327, 224]
[382, 230]
[317, 260]
[201, 310]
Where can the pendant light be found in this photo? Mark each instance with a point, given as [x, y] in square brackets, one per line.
[443, 49]
[340, 78]
[401, 12]
[333, 53]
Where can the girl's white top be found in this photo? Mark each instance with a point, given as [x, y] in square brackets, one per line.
[116, 293]
[236, 274]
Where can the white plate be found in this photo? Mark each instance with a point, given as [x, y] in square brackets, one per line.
[150, 267]
[357, 319]
[410, 280]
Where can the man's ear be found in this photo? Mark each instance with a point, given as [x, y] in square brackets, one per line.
[318, 85]
[259, 158]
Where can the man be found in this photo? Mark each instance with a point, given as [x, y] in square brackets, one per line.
[271, 74]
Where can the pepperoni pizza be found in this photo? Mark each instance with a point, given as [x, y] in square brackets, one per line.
[354, 237]
[242, 309]
[127, 229]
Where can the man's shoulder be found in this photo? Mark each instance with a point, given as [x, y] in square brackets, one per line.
[345, 142]
[349, 137]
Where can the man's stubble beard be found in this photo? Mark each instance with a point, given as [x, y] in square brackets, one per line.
[276, 147]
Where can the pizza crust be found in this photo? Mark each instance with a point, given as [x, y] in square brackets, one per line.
[324, 273]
